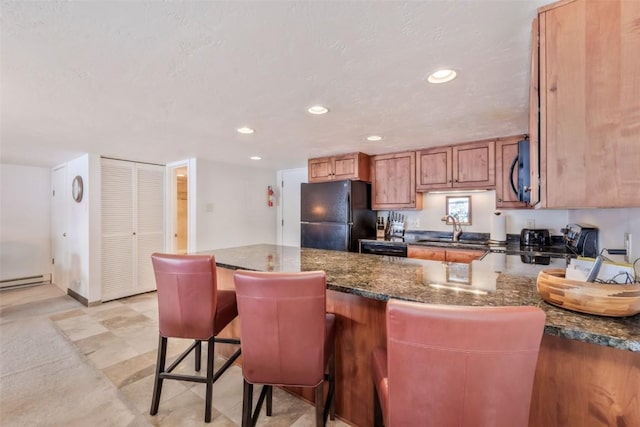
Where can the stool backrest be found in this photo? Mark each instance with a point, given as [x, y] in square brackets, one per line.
[282, 326]
[461, 366]
[187, 295]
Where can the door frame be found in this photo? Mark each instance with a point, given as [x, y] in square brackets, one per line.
[172, 207]
[60, 261]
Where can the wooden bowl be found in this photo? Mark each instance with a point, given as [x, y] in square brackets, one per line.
[586, 297]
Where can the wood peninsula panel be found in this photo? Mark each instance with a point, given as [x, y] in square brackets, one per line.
[582, 384]
[361, 326]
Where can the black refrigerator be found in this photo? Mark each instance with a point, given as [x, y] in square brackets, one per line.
[335, 214]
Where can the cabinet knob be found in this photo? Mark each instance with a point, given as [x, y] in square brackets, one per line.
[64, 234]
[499, 200]
[134, 233]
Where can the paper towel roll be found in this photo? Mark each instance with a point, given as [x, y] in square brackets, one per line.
[498, 228]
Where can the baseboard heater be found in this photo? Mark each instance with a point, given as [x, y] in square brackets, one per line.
[25, 281]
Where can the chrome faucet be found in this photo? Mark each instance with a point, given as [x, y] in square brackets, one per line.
[457, 228]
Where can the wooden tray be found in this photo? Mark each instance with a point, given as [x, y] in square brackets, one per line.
[586, 297]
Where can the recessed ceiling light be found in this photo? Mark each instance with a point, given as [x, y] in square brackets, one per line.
[441, 76]
[245, 130]
[255, 158]
[318, 109]
[374, 138]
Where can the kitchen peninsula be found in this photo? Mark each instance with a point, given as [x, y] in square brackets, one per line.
[588, 369]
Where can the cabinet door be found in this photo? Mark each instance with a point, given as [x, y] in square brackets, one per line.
[351, 166]
[474, 165]
[434, 169]
[534, 119]
[590, 99]
[320, 169]
[426, 252]
[346, 166]
[149, 222]
[506, 154]
[463, 255]
[393, 182]
[118, 229]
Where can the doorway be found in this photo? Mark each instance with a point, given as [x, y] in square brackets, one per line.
[289, 206]
[181, 222]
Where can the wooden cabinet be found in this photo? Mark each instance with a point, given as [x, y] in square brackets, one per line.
[426, 252]
[506, 154]
[434, 169]
[589, 94]
[346, 166]
[464, 166]
[463, 255]
[393, 182]
[434, 253]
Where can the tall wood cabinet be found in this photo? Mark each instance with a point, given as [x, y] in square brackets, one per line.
[346, 166]
[589, 111]
[393, 182]
[464, 166]
[132, 226]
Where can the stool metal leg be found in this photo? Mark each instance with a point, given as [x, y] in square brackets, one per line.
[247, 403]
[157, 385]
[319, 391]
[209, 390]
[198, 355]
[269, 400]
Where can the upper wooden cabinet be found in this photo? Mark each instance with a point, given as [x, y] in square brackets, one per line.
[346, 166]
[393, 182]
[589, 93]
[464, 166]
[506, 154]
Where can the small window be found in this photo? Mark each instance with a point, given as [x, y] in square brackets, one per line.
[459, 207]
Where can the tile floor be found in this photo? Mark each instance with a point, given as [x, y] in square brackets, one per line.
[119, 338]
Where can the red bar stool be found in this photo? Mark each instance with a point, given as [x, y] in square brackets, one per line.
[287, 338]
[456, 366]
[191, 306]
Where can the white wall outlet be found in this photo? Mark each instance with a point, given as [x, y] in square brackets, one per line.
[531, 223]
[627, 246]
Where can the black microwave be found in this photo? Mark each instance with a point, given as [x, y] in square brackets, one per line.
[523, 187]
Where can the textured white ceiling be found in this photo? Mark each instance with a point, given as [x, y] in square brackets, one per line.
[164, 81]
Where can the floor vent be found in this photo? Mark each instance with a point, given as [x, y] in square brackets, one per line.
[25, 281]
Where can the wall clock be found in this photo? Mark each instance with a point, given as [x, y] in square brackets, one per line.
[77, 189]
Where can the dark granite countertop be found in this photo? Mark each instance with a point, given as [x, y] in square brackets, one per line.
[497, 279]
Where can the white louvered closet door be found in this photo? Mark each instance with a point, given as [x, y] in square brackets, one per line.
[150, 220]
[132, 226]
